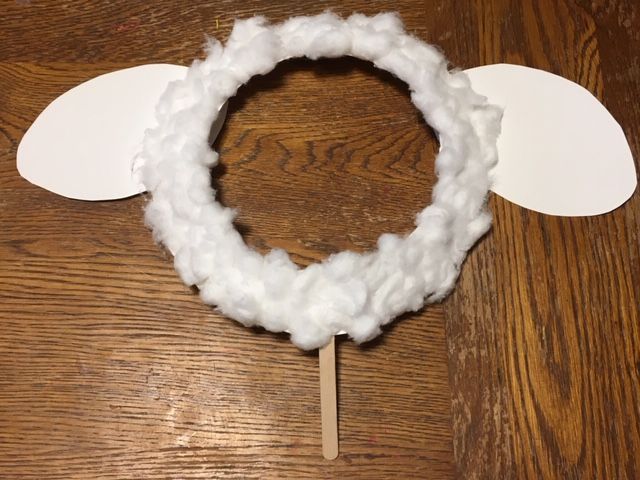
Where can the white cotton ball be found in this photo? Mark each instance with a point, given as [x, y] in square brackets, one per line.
[182, 264]
[173, 144]
[346, 298]
[309, 337]
[279, 258]
[389, 242]
[307, 36]
[199, 190]
[327, 20]
[274, 315]
[151, 175]
[183, 207]
[211, 291]
[294, 36]
[387, 22]
[258, 57]
[292, 27]
[167, 230]
[203, 262]
[387, 295]
[189, 92]
[197, 120]
[448, 277]
[235, 301]
[427, 57]
[214, 218]
[461, 200]
[222, 82]
[209, 157]
[156, 213]
[240, 306]
[449, 161]
[372, 45]
[333, 43]
[414, 298]
[183, 173]
[426, 101]
[309, 326]
[475, 180]
[278, 272]
[398, 63]
[434, 224]
[173, 94]
[214, 50]
[364, 328]
[245, 30]
[307, 278]
[487, 124]
[412, 254]
[358, 20]
[478, 227]
[460, 80]
[443, 116]
[342, 265]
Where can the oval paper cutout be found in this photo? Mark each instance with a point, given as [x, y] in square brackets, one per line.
[560, 151]
[81, 146]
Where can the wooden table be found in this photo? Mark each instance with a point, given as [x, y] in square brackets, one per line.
[111, 368]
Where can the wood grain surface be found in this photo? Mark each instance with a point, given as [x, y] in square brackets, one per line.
[111, 368]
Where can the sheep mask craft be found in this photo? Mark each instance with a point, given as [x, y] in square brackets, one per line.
[163, 118]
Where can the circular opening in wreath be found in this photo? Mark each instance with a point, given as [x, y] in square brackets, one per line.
[323, 156]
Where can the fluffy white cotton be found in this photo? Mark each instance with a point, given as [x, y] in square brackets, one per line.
[347, 292]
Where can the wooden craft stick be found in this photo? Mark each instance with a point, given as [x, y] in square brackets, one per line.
[328, 405]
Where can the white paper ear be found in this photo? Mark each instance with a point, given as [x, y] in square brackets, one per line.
[82, 145]
[560, 151]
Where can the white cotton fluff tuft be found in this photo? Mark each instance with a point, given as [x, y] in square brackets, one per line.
[347, 292]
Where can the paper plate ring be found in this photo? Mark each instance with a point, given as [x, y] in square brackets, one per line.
[350, 292]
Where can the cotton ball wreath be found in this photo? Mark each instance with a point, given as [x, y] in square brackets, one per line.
[348, 292]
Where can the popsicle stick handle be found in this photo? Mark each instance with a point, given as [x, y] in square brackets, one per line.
[328, 404]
